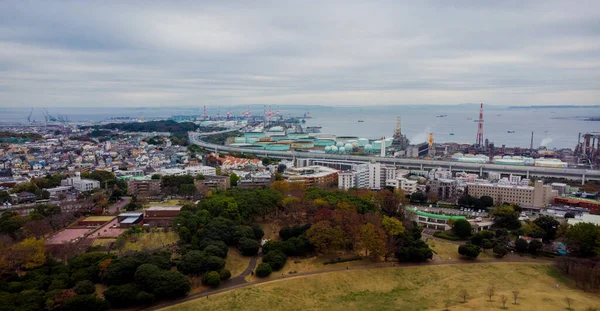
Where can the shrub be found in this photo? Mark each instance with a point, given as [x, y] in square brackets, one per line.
[521, 246]
[500, 250]
[263, 270]
[225, 274]
[534, 247]
[469, 250]
[212, 279]
[258, 231]
[332, 261]
[144, 298]
[446, 236]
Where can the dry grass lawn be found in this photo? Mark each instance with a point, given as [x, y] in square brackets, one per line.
[447, 251]
[235, 262]
[409, 288]
[172, 202]
[151, 241]
[299, 264]
[103, 242]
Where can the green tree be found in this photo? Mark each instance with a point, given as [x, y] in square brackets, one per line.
[263, 270]
[248, 247]
[486, 201]
[549, 225]
[487, 244]
[506, 217]
[462, 228]
[418, 196]
[583, 239]
[325, 237]
[521, 246]
[191, 263]
[469, 250]
[120, 296]
[233, 179]
[212, 279]
[276, 259]
[147, 275]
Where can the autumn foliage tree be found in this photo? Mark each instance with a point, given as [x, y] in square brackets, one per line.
[325, 237]
[32, 252]
[373, 240]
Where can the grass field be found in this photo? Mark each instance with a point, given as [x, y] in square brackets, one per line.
[409, 288]
[447, 251]
[235, 262]
[150, 241]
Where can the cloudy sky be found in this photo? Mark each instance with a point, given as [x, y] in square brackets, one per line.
[346, 53]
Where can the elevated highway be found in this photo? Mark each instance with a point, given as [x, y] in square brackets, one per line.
[529, 171]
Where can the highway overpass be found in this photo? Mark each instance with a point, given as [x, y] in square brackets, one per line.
[537, 171]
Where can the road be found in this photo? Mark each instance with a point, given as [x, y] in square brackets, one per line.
[233, 284]
[569, 173]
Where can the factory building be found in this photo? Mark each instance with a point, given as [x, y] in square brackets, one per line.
[537, 196]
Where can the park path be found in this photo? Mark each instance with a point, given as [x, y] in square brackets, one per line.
[240, 282]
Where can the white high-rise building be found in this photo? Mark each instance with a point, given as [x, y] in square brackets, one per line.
[346, 180]
[375, 176]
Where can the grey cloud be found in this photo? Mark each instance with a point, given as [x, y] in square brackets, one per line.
[335, 53]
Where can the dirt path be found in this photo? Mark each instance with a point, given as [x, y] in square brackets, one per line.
[240, 282]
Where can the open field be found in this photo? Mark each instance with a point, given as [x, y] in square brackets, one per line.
[424, 287]
[150, 241]
[235, 262]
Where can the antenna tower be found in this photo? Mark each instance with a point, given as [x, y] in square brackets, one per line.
[479, 140]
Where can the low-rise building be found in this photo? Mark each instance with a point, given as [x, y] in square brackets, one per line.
[80, 184]
[312, 175]
[161, 216]
[214, 182]
[430, 220]
[539, 195]
[127, 220]
[54, 192]
[408, 186]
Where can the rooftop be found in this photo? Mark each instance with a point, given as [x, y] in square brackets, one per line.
[418, 212]
[99, 218]
[164, 208]
[133, 214]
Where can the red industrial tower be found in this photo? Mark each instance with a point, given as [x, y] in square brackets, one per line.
[479, 140]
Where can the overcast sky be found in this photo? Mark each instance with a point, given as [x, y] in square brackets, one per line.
[346, 53]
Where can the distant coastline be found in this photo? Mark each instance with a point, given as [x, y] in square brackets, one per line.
[553, 107]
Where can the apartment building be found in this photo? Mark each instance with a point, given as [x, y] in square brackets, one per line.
[144, 188]
[80, 184]
[346, 180]
[443, 188]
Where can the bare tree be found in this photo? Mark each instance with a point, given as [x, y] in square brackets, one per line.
[504, 300]
[490, 291]
[515, 296]
[463, 294]
[447, 304]
[569, 301]
[591, 309]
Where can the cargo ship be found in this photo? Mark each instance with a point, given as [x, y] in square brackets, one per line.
[313, 129]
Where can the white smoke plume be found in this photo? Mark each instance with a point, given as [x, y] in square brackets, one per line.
[421, 137]
[546, 141]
